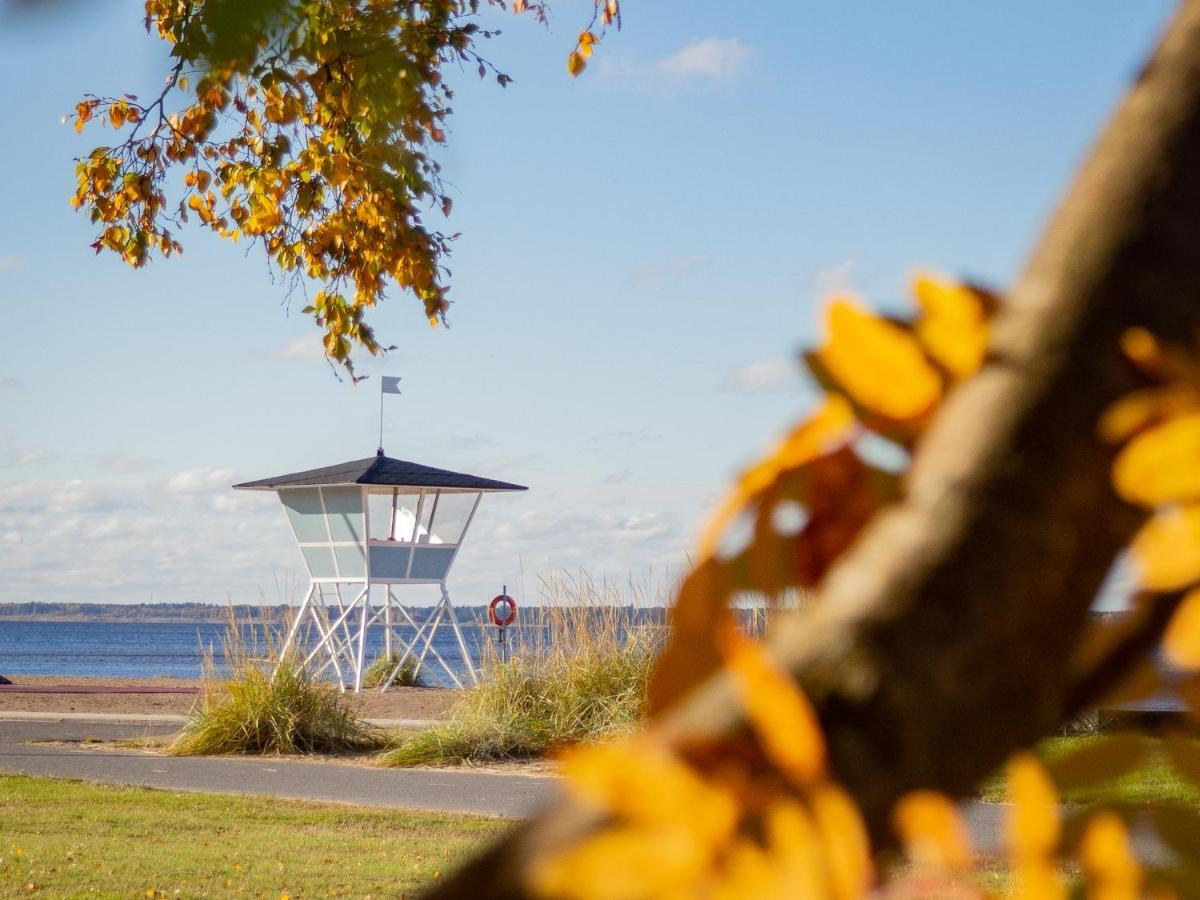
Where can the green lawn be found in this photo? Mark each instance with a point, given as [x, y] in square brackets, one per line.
[62, 838]
[1154, 781]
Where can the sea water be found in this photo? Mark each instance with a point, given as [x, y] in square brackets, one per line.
[169, 649]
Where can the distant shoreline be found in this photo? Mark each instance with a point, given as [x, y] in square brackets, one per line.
[142, 613]
[150, 620]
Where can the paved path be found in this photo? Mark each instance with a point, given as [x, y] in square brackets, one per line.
[10, 715]
[482, 793]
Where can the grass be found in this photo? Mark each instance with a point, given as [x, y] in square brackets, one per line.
[67, 838]
[580, 677]
[269, 705]
[379, 670]
[1153, 782]
[292, 712]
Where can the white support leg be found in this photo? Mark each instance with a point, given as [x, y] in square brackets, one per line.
[294, 630]
[328, 639]
[462, 645]
[365, 598]
[387, 623]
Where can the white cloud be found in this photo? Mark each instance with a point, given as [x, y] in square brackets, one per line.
[307, 349]
[709, 60]
[504, 466]
[720, 59]
[199, 481]
[125, 464]
[13, 459]
[624, 439]
[82, 540]
[670, 272]
[762, 376]
[836, 279]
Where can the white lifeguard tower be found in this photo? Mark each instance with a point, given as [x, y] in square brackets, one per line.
[377, 523]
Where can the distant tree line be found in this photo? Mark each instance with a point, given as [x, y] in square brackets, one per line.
[140, 612]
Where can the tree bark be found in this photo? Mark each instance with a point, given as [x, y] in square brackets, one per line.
[943, 639]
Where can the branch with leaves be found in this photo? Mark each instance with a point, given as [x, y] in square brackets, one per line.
[306, 126]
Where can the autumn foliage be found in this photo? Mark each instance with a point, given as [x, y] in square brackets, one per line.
[305, 126]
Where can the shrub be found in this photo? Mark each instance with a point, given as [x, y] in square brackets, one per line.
[582, 677]
[255, 713]
[270, 706]
[379, 670]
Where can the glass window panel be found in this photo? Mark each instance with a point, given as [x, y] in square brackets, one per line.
[380, 506]
[431, 562]
[350, 562]
[343, 506]
[389, 562]
[303, 507]
[319, 561]
[450, 519]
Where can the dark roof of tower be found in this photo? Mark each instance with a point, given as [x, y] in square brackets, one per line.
[382, 470]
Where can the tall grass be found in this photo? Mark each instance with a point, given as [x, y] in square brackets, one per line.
[268, 705]
[578, 673]
[382, 667]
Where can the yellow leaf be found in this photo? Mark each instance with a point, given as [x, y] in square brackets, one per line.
[1141, 408]
[847, 850]
[1113, 873]
[576, 64]
[777, 710]
[794, 849]
[641, 781]
[952, 325]
[1033, 822]
[878, 364]
[748, 873]
[1166, 550]
[669, 825]
[932, 831]
[1162, 464]
[830, 427]
[1142, 349]
[1038, 879]
[691, 654]
[619, 863]
[1182, 639]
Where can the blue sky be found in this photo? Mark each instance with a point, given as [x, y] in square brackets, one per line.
[643, 251]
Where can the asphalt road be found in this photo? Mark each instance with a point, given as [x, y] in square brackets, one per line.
[445, 790]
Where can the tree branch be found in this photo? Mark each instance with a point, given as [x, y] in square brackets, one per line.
[941, 641]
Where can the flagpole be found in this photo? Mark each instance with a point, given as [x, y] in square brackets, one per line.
[380, 416]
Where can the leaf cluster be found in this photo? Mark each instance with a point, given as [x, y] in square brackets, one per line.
[305, 126]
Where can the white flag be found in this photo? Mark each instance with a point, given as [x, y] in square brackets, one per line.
[389, 385]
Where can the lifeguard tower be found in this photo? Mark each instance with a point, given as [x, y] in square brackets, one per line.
[367, 527]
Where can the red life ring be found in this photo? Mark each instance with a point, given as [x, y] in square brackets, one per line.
[502, 600]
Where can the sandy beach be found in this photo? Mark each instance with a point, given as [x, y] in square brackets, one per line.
[179, 694]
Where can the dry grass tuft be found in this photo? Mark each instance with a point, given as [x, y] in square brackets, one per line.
[252, 711]
[578, 672]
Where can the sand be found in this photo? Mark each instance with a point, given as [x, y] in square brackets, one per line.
[397, 703]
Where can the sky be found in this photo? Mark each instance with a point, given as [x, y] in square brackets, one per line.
[644, 251]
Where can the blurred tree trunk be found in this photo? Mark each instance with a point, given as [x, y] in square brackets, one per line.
[946, 637]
